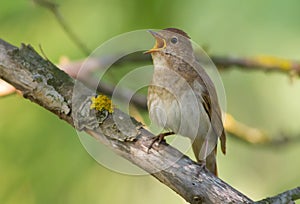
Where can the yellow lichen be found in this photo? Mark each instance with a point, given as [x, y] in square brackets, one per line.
[269, 61]
[102, 102]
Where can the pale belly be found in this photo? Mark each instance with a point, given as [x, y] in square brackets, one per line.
[178, 110]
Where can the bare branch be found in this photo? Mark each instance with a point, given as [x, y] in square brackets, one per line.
[287, 197]
[260, 63]
[263, 63]
[256, 136]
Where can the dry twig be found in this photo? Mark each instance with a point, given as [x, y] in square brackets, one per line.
[53, 8]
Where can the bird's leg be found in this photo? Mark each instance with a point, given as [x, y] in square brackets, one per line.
[202, 161]
[159, 138]
[202, 164]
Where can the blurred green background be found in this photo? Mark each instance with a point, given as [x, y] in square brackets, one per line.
[41, 157]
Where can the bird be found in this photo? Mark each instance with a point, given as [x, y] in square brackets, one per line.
[182, 98]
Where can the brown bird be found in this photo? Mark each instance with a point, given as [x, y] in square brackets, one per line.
[182, 98]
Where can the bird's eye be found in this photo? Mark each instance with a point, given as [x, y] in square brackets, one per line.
[174, 40]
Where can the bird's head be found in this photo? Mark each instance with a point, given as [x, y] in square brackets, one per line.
[171, 41]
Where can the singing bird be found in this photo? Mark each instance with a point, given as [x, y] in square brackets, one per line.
[182, 98]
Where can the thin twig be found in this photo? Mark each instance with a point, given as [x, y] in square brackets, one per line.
[263, 63]
[54, 9]
[259, 63]
[256, 136]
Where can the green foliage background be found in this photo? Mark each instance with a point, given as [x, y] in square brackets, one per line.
[41, 158]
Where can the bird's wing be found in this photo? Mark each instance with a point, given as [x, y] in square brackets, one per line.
[211, 104]
[217, 123]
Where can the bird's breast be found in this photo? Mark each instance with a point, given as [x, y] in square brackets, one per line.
[174, 104]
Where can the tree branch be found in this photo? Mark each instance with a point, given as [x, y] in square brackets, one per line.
[263, 63]
[286, 197]
[43, 83]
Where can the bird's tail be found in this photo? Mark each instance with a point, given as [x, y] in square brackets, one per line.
[210, 160]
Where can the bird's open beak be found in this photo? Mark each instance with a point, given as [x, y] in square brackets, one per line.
[160, 42]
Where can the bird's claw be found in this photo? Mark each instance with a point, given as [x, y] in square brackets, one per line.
[159, 138]
[202, 164]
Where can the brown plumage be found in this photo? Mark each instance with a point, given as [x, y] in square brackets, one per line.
[176, 30]
[182, 98]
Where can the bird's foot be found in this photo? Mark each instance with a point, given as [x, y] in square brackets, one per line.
[202, 164]
[159, 138]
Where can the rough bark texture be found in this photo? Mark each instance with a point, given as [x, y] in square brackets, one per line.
[43, 83]
[38, 79]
